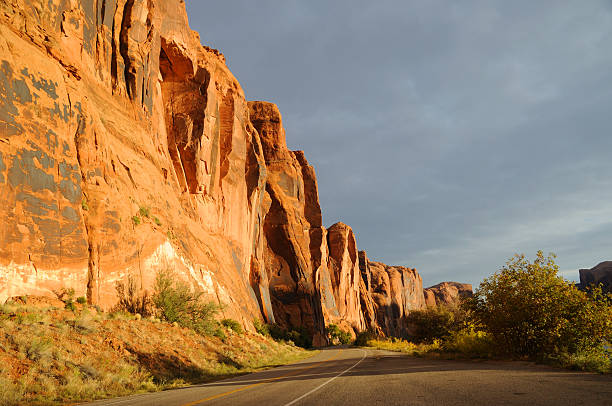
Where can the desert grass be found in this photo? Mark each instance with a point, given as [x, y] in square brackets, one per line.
[54, 356]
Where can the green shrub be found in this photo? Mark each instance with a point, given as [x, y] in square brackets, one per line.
[336, 335]
[261, 328]
[363, 337]
[298, 335]
[70, 306]
[528, 310]
[144, 211]
[176, 302]
[475, 344]
[595, 360]
[233, 325]
[435, 323]
[81, 300]
[219, 333]
[65, 295]
[135, 220]
[157, 221]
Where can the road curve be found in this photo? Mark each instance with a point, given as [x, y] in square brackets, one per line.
[371, 377]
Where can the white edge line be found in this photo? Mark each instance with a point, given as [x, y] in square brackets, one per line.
[328, 381]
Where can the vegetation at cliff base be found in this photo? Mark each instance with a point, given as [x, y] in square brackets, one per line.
[338, 336]
[52, 355]
[523, 311]
[176, 302]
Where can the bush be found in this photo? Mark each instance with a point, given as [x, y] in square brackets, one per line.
[81, 300]
[131, 300]
[336, 335]
[528, 310]
[144, 212]
[65, 295]
[261, 328]
[400, 345]
[475, 344]
[298, 335]
[177, 303]
[435, 323]
[135, 220]
[363, 337]
[597, 360]
[233, 325]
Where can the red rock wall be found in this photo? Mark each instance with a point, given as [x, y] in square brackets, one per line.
[127, 147]
[395, 291]
[446, 293]
[112, 106]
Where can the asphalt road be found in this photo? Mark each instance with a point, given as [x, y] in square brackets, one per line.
[372, 377]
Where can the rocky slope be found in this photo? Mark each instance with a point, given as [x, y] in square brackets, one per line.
[127, 147]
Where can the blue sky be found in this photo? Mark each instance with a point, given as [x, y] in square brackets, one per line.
[449, 135]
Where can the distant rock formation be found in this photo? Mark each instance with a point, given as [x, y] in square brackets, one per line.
[446, 293]
[127, 147]
[394, 291]
[602, 273]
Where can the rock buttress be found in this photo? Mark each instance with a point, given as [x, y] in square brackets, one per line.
[396, 291]
[292, 228]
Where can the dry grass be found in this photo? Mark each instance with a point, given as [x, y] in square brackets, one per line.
[470, 345]
[404, 346]
[53, 356]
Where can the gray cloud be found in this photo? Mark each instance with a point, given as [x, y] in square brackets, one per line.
[449, 135]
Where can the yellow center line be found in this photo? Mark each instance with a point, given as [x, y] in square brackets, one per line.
[220, 395]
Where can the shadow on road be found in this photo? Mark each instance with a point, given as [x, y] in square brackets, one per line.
[384, 363]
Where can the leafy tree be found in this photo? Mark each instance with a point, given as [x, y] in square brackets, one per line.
[530, 311]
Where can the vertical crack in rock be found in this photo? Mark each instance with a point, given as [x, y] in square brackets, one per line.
[226, 115]
[92, 262]
[129, 70]
[114, 53]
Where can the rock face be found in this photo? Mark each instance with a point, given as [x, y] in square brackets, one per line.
[127, 147]
[446, 293]
[602, 273]
[395, 291]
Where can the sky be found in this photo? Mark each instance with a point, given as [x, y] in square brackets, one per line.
[449, 135]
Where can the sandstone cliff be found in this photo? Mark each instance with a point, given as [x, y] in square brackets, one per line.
[127, 147]
[394, 292]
